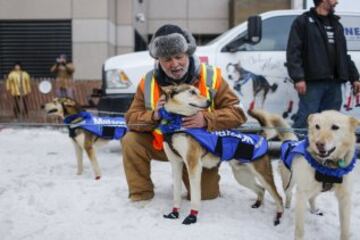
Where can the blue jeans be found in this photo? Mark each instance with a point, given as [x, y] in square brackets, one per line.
[320, 96]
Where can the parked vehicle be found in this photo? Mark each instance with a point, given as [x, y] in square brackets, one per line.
[252, 58]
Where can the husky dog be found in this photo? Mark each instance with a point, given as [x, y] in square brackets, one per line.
[324, 161]
[181, 148]
[85, 136]
[261, 86]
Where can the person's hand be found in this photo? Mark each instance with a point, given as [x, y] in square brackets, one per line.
[194, 121]
[159, 105]
[301, 87]
[356, 87]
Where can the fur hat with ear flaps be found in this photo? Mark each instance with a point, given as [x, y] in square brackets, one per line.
[169, 40]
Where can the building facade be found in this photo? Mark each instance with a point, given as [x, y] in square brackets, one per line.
[90, 31]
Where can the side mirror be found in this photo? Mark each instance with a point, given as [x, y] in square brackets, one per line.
[253, 35]
[254, 29]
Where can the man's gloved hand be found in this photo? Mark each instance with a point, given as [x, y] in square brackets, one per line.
[160, 104]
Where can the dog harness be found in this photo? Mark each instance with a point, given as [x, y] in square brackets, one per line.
[227, 144]
[209, 82]
[103, 127]
[289, 149]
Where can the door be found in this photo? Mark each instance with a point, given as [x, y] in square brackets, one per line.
[257, 72]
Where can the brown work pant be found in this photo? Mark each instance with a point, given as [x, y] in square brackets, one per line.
[137, 154]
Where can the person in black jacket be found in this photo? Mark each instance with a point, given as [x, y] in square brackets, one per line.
[318, 62]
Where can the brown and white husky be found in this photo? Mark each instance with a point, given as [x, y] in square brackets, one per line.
[81, 139]
[182, 149]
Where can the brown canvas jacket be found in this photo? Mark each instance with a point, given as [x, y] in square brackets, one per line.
[227, 113]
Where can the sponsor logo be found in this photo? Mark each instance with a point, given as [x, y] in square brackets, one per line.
[226, 133]
[106, 121]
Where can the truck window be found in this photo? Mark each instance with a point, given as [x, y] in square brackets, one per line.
[275, 32]
[352, 31]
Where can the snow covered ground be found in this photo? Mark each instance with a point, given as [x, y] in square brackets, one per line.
[41, 197]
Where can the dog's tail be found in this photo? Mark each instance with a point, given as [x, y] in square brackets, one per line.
[274, 125]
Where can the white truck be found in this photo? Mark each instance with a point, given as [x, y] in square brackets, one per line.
[252, 57]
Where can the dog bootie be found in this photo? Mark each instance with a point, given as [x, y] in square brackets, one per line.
[173, 215]
[190, 219]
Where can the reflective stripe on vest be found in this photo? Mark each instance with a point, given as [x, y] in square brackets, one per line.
[208, 85]
[149, 91]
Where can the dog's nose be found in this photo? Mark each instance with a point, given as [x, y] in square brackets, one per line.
[42, 106]
[320, 146]
[208, 103]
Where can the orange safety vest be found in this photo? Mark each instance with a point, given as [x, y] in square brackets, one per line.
[209, 83]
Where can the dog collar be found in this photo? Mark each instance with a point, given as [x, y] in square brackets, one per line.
[76, 119]
[289, 149]
[170, 122]
[334, 172]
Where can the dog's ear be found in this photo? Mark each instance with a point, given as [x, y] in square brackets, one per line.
[354, 123]
[169, 91]
[310, 118]
[69, 102]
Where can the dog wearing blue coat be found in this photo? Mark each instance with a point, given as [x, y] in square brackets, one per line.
[323, 161]
[197, 148]
[87, 131]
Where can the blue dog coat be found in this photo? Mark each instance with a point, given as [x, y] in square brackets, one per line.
[230, 144]
[227, 144]
[103, 127]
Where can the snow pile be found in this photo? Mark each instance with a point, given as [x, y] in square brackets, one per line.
[41, 197]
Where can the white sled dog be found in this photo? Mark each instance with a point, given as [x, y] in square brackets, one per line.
[81, 139]
[181, 148]
[331, 146]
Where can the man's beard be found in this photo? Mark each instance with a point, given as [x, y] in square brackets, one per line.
[332, 8]
[185, 69]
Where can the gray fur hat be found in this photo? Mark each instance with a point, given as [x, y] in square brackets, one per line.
[169, 40]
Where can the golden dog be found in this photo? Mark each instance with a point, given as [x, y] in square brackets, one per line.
[182, 149]
[331, 143]
[82, 140]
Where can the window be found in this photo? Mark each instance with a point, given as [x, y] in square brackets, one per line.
[275, 32]
[35, 43]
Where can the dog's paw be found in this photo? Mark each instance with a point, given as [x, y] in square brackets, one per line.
[172, 215]
[190, 219]
[257, 204]
[277, 218]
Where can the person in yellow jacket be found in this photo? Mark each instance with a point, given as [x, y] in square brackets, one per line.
[18, 85]
[173, 48]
